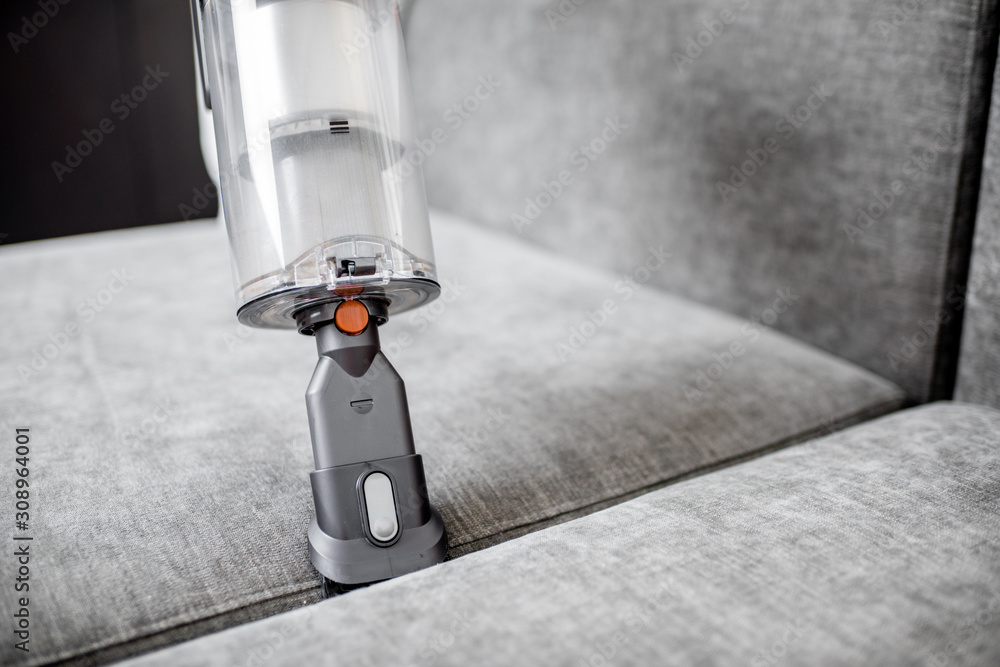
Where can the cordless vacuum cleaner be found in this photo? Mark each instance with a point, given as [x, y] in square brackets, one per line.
[324, 203]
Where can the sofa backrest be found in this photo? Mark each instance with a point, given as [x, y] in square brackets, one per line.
[979, 367]
[826, 150]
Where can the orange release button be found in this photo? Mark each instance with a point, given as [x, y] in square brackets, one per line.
[351, 317]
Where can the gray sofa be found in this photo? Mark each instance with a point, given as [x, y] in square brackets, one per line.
[691, 407]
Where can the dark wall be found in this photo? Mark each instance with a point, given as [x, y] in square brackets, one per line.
[65, 69]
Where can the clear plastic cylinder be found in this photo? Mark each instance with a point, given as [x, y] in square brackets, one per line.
[320, 174]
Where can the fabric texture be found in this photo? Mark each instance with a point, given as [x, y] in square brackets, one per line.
[831, 147]
[171, 450]
[979, 367]
[879, 545]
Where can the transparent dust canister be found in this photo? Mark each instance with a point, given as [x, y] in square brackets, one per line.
[320, 173]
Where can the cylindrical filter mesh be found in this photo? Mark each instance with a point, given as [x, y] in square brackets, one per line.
[314, 125]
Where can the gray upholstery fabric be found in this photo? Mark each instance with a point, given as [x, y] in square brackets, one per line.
[879, 545]
[171, 448]
[897, 93]
[979, 367]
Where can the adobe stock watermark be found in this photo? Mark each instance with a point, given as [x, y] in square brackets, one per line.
[272, 641]
[150, 425]
[901, 13]
[121, 107]
[87, 310]
[779, 649]
[565, 9]
[750, 331]
[241, 334]
[979, 623]
[421, 320]
[362, 38]
[441, 642]
[582, 158]
[495, 420]
[785, 128]
[914, 169]
[641, 617]
[204, 196]
[451, 291]
[713, 29]
[30, 25]
[414, 157]
[626, 288]
[454, 117]
[925, 332]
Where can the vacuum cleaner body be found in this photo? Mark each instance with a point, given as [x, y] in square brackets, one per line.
[325, 210]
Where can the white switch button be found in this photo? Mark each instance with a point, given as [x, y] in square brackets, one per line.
[381, 507]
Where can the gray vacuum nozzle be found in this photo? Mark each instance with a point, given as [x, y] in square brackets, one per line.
[373, 518]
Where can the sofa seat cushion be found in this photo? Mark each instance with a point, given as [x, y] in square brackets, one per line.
[171, 449]
[879, 545]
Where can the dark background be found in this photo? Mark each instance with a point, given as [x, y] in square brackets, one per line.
[63, 82]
